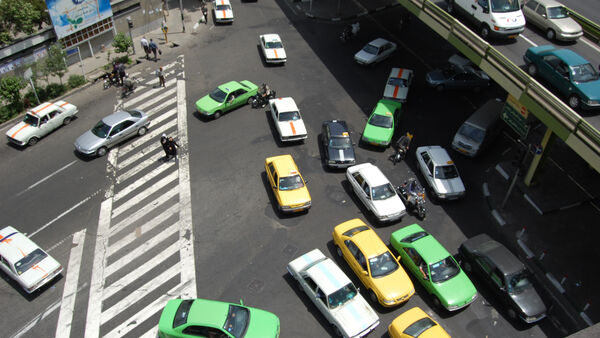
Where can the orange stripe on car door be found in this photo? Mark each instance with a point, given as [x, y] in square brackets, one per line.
[16, 132]
[399, 76]
[293, 129]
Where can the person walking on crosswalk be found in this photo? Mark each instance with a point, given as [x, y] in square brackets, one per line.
[161, 77]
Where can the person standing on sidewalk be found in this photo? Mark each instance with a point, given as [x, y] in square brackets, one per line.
[161, 77]
[154, 49]
[146, 46]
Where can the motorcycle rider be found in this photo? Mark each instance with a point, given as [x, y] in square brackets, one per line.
[128, 87]
[355, 28]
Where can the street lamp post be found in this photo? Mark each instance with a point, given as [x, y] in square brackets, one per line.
[181, 10]
[130, 26]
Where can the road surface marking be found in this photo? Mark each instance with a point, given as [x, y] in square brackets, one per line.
[143, 180]
[528, 41]
[45, 178]
[149, 191]
[151, 93]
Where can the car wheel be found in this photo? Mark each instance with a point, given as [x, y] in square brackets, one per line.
[67, 120]
[467, 266]
[250, 100]
[437, 303]
[439, 88]
[217, 114]
[484, 31]
[450, 6]
[33, 141]
[550, 34]
[142, 131]
[339, 251]
[574, 101]
[101, 151]
[531, 69]
[512, 314]
[337, 331]
[373, 297]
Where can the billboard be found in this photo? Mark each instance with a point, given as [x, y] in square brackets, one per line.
[70, 16]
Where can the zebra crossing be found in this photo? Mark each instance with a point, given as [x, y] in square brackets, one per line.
[143, 254]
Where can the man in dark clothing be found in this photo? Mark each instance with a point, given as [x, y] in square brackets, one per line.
[121, 72]
[172, 147]
[154, 49]
[164, 142]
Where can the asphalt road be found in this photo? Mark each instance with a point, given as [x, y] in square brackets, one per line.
[242, 244]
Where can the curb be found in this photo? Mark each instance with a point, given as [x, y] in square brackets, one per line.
[354, 16]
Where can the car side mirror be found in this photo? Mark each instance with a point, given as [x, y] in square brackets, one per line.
[425, 277]
[365, 273]
[485, 9]
[544, 16]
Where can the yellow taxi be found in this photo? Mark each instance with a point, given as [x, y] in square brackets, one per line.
[416, 323]
[288, 185]
[373, 263]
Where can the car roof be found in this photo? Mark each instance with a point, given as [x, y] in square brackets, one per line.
[222, 2]
[373, 175]
[549, 3]
[378, 42]
[386, 107]
[204, 311]
[14, 245]
[271, 37]
[284, 165]
[428, 247]
[570, 57]
[337, 128]
[116, 117]
[438, 155]
[230, 86]
[328, 276]
[505, 260]
[46, 107]
[402, 72]
[369, 243]
[284, 104]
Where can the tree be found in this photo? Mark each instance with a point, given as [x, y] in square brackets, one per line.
[55, 62]
[18, 16]
[10, 89]
[40, 5]
[122, 43]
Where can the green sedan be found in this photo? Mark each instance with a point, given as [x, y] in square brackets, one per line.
[226, 97]
[434, 267]
[380, 126]
[211, 318]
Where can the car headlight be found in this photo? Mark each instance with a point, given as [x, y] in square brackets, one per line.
[389, 301]
[593, 102]
[331, 162]
[308, 203]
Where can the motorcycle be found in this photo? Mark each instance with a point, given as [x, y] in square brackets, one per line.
[412, 195]
[350, 32]
[110, 79]
[260, 99]
[401, 148]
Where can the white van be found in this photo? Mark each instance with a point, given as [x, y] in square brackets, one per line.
[479, 129]
[500, 18]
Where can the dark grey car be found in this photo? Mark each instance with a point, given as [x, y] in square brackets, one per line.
[338, 150]
[505, 275]
[460, 74]
[112, 130]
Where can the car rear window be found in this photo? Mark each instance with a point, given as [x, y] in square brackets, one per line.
[182, 312]
[419, 327]
[134, 113]
[30, 260]
[356, 230]
[413, 237]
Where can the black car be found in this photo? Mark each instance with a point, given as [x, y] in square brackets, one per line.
[460, 74]
[505, 275]
[338, 149]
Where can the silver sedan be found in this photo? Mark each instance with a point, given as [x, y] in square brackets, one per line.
[112, 130]
[552, 17]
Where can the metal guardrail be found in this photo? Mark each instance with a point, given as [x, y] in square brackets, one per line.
[560, 118]
[591, 30]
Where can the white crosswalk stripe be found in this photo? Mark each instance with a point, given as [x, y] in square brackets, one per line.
[145, 219]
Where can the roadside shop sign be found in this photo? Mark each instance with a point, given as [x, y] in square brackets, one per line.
[515, 115]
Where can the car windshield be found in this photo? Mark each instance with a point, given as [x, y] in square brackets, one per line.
[290, 182]
[583, 73]
[30, 260]
[382, 265]
[518, 282]
[472, 133]
[237, 320]
[340, 142]
[341, 296]
[289, 116]
[101, 129]
[558, 12]
[443, 270]
[383, 192]
[223, 7]
[446, 172]
[31, 120]
[503, 6]
[396, 81]
[218, 95]
[370, 49]
[381, 121]
[274, 44]
[418, 327]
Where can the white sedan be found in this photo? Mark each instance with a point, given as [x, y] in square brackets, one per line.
[376, 192]
[272, 48]
[439, 172]
[287, 119]
[40, 121]
[222, 11]
[375, 51]
[333, 294]
[398, 84]
[24, 261]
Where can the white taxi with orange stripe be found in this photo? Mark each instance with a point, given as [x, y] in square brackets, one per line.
[222, 11]
[24, 261]
[40, 121]
[272, 48]
[287, 119]
[397, 85]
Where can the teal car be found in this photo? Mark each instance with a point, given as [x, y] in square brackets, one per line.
[380, 126]
[572, 75]
[433, 266]
[211, 318]
[226, 97]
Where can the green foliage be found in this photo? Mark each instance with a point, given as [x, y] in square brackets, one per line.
[19, 16]
[121, 42]
[5, 37]
[40, 5]
[9, 111]
[76, 81]
[123, 59]
[10, 87]
[55, 90]
[54, 63]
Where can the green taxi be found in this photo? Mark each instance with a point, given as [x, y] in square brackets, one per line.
[226, 97]
[433, 266]
[380, 126]
[211, 318]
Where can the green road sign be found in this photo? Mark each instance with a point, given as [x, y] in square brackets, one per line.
[515, 115]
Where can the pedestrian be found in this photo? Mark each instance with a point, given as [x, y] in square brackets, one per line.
[204, 13]
[122, 74]
[164, 142]
[173, 147]
[154, 49]
[161, 77]
[146, 46]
